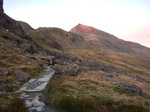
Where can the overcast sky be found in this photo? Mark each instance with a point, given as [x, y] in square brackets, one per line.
[126, 19]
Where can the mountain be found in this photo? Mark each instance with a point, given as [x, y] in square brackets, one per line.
[106, 70]
[58, 40]
[108, 41]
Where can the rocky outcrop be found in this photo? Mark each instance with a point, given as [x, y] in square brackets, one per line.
[3, 71]
[25, 27]
[1, 6]
[131, 88]
[18, 28]
[107, 78]
[71, 72]
[7, 88]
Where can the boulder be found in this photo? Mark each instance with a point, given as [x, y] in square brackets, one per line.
[4, 71]
[71, 72]
[36, 103]
[1, 88]
[29, 47]
[38, 60]
[131, 88]
[9, 88]
[22, 76]
[75, 66]
[28, 104]
[40, 109]
[6, 80]
[107, 78]
[58, 72]
[111, 76]
[3, 93]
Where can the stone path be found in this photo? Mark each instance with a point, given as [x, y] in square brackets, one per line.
[32, 92]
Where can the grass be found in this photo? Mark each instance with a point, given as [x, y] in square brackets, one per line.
[33, 71]
[15, 105]
[90, 94]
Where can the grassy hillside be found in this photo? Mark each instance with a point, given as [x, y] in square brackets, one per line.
[74, 45]
[58, 40]
[88, 93]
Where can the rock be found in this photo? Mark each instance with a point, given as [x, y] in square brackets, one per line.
[42, 104]
[116, 75]
[9, 88]
[6, 80]
[111, 76]
[141, 79]
[3, 93]
[10, 97]
[58, 72]
[4, 71]
[1, 88]
[108, 79]
[28, 104]
[93, 69]
[38, 60]
[75, 66]
[39, 109]
[71, 72]
[36, 103]
[130, 87]
[83, 69]
[22, 76]
[29, 63]
[29, 47]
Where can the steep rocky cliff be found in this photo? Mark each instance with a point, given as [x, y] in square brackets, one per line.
[13, 25]
[1, 6]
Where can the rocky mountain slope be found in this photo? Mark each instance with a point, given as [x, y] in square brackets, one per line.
[108, 41]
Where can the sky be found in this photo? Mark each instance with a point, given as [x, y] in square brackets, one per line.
[127, 19]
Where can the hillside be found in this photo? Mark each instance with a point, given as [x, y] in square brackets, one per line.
[122, 56]
[93, 70]
[58, 39]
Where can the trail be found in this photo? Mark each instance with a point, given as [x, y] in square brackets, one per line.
[33, 92]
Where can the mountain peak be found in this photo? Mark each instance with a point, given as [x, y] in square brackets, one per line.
[83, 28]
